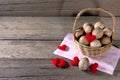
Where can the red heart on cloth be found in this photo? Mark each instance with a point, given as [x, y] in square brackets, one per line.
[75, 61]
[62, 63]
[62, 47]
[90, 37]
[93, 67]
[56, 61]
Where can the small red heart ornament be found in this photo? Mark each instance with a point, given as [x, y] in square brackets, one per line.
[75, 61]
[62, 47]
[93, 67]
[56, 61]
[59, 62]
[62, 63]
[90, 37]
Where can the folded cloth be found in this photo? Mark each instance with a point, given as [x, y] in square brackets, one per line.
[107, 62]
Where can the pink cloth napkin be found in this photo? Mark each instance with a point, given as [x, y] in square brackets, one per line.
[107, 62]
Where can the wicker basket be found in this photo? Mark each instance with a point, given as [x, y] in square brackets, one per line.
[93, 51]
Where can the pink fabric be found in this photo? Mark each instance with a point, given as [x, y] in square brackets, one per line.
[107, 62]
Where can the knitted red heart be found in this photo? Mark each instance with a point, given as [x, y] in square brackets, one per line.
[62, 63]
[56, 61]
[63, 47]
[90, 37]
[93, 67]
[75, 61]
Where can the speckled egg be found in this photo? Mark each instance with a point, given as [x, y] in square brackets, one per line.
[107, 32]
[105, 40]
[95, 43]
[83, 64]
[88, 27]
[98, 32]
[79, 32]
[99, 25]
[83, 40]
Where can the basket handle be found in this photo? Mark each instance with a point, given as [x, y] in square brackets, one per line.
[95, 9]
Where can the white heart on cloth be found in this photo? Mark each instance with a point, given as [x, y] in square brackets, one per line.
[107, 62]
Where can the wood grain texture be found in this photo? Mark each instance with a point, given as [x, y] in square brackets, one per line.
[54, 7]
[45, 28]
[30, 49]
[27, 49]
[42, 69]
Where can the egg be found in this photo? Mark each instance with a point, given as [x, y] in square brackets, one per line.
[98, 32]
[99, 24]
[83, 64]
[95, 43]
[107, 32]
[79, 32]
[105, 40]
[83, 40]
[88, 27]
[86, 24]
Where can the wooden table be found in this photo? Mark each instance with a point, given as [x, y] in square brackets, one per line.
[27, 45]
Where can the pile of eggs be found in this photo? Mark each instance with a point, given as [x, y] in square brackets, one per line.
[103, 35]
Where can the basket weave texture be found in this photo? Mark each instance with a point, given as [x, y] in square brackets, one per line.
[93, 51]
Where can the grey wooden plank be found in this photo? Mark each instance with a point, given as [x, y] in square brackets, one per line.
[44, 28]
[30, 7]
[29, 49]
[26, 1]
[63, 8]
[30, 63]
[42, 69]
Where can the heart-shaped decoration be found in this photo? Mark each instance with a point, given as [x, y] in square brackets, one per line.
[90, 37]
[93, 67]
[62, 63]
[62, 47]
[56, 61]
[59, 62]
[75, 61]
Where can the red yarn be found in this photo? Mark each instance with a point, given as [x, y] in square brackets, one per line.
[56, 61]
[59, 62]
[62, 63]
[90, 37]
[75, 61]
[62, 47]
[93, 67]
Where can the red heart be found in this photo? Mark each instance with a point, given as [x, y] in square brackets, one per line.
[93, 67]
[62, 63]
[55, 61]
[75, 61]
[63, 47]
[90, 37]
